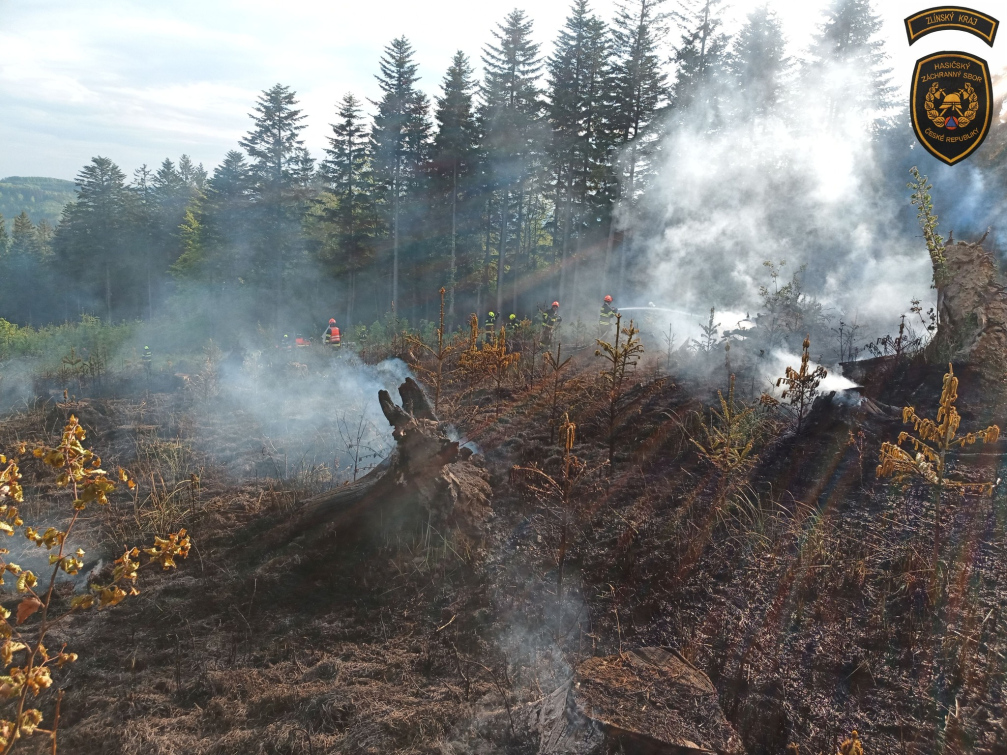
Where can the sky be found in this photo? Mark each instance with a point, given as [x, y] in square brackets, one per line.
[138, 81]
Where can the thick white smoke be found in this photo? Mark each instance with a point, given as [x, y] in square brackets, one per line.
[801, 180]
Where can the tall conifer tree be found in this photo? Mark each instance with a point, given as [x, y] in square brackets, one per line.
[638, 89]
[511, 121]
[759, 63]
[399, 143]
[351, 215]
[454, 157]
[577, 72]
[281, 171]
[850, 66]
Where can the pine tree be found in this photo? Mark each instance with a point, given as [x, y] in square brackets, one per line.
[579, 148]
[144, 227]
[638, 88]
[400, 146]
[90, 241]
[22, 236]
[21, 266]
[349, 210]
[455, 155]
[701, 61]
[510, 119]
[850, 65]
[759, 63]
[281, 172]
[193, 176]
[164, 203]
[215, 237]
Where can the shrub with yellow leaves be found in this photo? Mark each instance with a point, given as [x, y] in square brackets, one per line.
[27, 663]
[932, 442]
[492, 362]
[852, 746]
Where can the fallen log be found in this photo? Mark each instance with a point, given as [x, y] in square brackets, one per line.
[428, 480]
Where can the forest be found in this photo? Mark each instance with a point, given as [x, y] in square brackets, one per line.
[540, 180]
[755, 504]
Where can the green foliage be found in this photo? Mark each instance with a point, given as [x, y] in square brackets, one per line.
[728, 441]
[711, 335]
[622, 356]
[49, 344]
[928, 222]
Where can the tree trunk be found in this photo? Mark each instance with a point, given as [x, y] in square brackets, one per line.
[427, 479]
[454, 240]
[502, 245]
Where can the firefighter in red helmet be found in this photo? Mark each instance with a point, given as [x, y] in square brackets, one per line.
[332, 337]
[550, 321]
[607, 316]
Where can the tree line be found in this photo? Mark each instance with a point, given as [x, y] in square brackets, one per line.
[510, 190]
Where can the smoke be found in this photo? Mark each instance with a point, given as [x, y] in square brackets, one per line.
[771, 369]
[805, 181]
[304, 409]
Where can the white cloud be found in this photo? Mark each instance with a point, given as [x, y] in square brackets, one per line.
[139, 81]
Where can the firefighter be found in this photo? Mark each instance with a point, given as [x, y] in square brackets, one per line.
[332, 337]
[607, 315]
[490, 325]
[512, 322]
[148, 359]
[550, 321]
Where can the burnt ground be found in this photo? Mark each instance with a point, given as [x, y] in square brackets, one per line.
[807, 596]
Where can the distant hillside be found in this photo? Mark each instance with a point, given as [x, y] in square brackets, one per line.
[39, 197]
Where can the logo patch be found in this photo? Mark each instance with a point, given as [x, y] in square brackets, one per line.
[951, 104]
[952, 17]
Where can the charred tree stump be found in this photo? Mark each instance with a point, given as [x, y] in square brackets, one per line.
[427, 481]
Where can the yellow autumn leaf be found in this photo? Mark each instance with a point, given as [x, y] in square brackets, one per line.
[27, 607]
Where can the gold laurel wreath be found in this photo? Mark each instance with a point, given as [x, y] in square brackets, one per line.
[967, 93]
[932, 114]
[973, 110]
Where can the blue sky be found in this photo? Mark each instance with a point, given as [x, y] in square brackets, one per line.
[139, 81]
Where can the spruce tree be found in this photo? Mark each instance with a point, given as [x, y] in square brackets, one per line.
[193, 176]
[701, 62]
[90, 241]
[22, 266]
[454, 156]
[399, 144]
[759, 63]
[351, 216]
[281, 171]
[849, 65]
[144, 227]
[577, 74]
[510, 120]
[165, 202]
[638, 87]
[219, 254]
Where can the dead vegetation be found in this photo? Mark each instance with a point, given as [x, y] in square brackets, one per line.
[615, 510]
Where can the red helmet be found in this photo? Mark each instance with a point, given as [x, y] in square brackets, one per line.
[555, 303]
[608, 299]
[332, 321]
